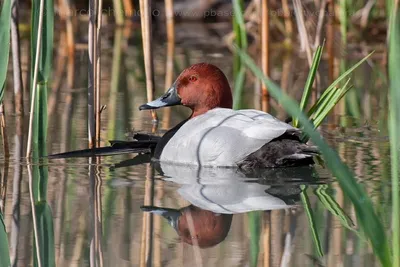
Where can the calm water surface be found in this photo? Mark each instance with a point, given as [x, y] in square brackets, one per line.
[91, 210]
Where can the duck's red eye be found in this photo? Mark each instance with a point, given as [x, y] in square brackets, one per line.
[192, 78]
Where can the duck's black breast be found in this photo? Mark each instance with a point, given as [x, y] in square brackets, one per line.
[165, 139]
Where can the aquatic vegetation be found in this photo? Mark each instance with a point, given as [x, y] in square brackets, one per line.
[355, 19]
[366, 215]
[394, 125]
[239, 69]
[5, 22]
[42, 59]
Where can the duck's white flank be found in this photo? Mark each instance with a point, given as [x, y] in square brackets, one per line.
[222, 137]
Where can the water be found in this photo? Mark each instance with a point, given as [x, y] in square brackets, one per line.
[95, 210]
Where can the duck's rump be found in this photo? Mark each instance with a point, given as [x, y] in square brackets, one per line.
[244, 138]
[284, 151]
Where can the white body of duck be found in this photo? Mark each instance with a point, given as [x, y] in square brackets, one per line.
[222, 137]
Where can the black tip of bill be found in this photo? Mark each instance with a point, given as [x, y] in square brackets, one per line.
[145, 107]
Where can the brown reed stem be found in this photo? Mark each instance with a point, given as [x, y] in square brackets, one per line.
[3, 131]
[330, 35]
[169, 68]
[265, 52]
[267, 238]
[93, 80]
[16, 194]
[128, 8]
[3, 185]
[16, 59]
[320, 24]
[145, 19]
[287, 19]
[98, 72]
[305, 44]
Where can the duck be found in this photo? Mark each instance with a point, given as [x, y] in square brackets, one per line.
[215, 135]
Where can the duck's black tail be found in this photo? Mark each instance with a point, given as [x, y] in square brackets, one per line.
[142, 143]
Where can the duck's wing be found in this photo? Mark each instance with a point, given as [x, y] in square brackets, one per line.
[223, 137]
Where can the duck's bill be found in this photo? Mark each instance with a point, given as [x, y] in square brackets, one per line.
[172, 215]
[170, 98]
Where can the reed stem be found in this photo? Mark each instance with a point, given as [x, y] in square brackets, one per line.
[394, 128]
[35, 77]
[119, 12]
[265, 52]
[145, 19]
[16, 59]
[92, 79]
[98, 72]
[34, 217]
[169, 68]
[3, 131]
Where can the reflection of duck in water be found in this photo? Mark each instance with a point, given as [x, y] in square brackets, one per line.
[196, 226]
[207, 222]
[230, 191]
[215, 195]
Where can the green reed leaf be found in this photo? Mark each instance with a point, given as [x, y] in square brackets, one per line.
[5, 22]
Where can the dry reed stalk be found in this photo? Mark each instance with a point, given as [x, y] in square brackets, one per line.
[305, 44]
[34, 218]
[265, 106]
[35, 77]
[142, 261]
[59, 70]
[92, 52]
[147, 220]
[169, 68]
[128, 8]
[145, 19]
[267, 238]
[276, 237]
[70, 44]
[320, 23]
[66, 121]
[3, 186]
[365, 12]
[16, 59]
[287, 19]
[98, 71]
[287, 74]
[16, 194]
[3, 131]
[330, 36]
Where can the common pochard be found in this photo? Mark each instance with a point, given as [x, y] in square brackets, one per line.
[217, 135]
